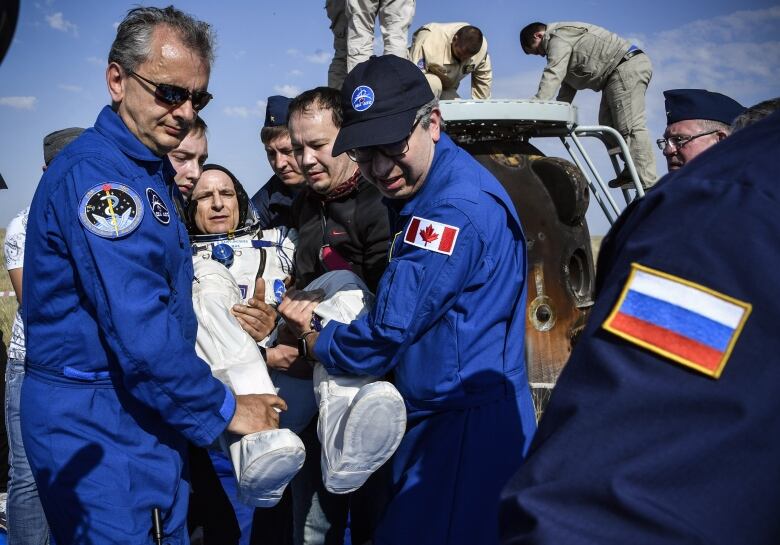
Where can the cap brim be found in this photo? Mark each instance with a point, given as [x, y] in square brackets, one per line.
[374, 132]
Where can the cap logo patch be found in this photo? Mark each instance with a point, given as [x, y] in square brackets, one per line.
[362, 98]
[159, 210]
[431, 235]
[111, 210]
[685, 322]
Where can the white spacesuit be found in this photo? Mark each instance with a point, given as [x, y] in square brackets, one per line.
[361, 420]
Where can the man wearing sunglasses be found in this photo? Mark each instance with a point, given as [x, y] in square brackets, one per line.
[449, 319]
[113, 388]
[696, 120]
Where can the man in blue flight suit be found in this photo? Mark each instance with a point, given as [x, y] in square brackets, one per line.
[448, 319]
[113, 388]
[663, 428]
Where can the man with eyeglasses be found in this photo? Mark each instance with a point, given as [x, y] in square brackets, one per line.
[113, 388]
[449, 319]
[696, 119]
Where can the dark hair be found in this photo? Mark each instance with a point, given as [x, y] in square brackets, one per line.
[325, 98]
[527, 34]
[755, 113]
[272, 132]
[198, 126]
[470, 39]
[241, 196]
[132, 45]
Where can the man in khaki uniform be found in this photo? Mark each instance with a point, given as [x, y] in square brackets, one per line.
[583, 56]
[447, 53]
[352, 24]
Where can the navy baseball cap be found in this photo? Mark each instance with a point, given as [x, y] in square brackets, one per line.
[683, 104]
[276, 111]
[380, 99]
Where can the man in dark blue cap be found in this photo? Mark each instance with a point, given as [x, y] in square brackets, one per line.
[663, 426]
[696, 119]
[449, 318]
[274, 199]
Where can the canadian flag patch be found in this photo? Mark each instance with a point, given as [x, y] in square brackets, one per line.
[431, 235]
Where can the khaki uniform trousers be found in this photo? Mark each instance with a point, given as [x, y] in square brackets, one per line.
[623, 108]
[352, 24]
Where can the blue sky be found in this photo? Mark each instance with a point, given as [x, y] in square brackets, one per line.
[54, 74]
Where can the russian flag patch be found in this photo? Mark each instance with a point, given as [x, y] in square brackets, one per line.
[431, 235]
[678, 319]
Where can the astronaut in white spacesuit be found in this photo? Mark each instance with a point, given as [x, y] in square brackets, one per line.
[361, 420]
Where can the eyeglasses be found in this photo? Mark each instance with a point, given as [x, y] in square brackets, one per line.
[678, 142]
[391, 151]
[175, 95]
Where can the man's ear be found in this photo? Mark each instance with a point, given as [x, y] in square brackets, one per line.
[115, 81]
[435, 127]
[722, 135]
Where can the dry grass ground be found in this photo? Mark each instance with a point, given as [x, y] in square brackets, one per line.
[7, 304]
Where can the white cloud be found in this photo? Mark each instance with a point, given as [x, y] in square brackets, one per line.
[20, 103]
[115, 25]
[71, 88]
[97, 61]
[258, 110]
[319, 57]
[736, 54]
[287, 90]
[295, 72]
[58, 22]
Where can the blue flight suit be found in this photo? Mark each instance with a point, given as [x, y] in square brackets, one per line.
[635, 447]
[273, 203]
[113, 387]
[452, 327]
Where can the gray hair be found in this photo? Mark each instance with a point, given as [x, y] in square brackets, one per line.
[132, 45]
[712, 125]
[755, 113]
[423, 116]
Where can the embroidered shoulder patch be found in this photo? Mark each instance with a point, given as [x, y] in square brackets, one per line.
[685, 322]
[159, 210]
[111, 210]
[431, 235]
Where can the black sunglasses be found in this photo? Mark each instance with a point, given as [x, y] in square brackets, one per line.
[175, 95]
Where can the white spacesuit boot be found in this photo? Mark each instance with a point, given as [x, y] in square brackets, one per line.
[362, 420]
[264, 462]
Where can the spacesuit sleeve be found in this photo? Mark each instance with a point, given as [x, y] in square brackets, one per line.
[125, 281]
[418, 288]
[482, 79]
[558, 54]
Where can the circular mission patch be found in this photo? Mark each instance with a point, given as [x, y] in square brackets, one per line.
[111, 210]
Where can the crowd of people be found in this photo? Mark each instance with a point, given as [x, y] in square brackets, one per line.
[343, 352]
